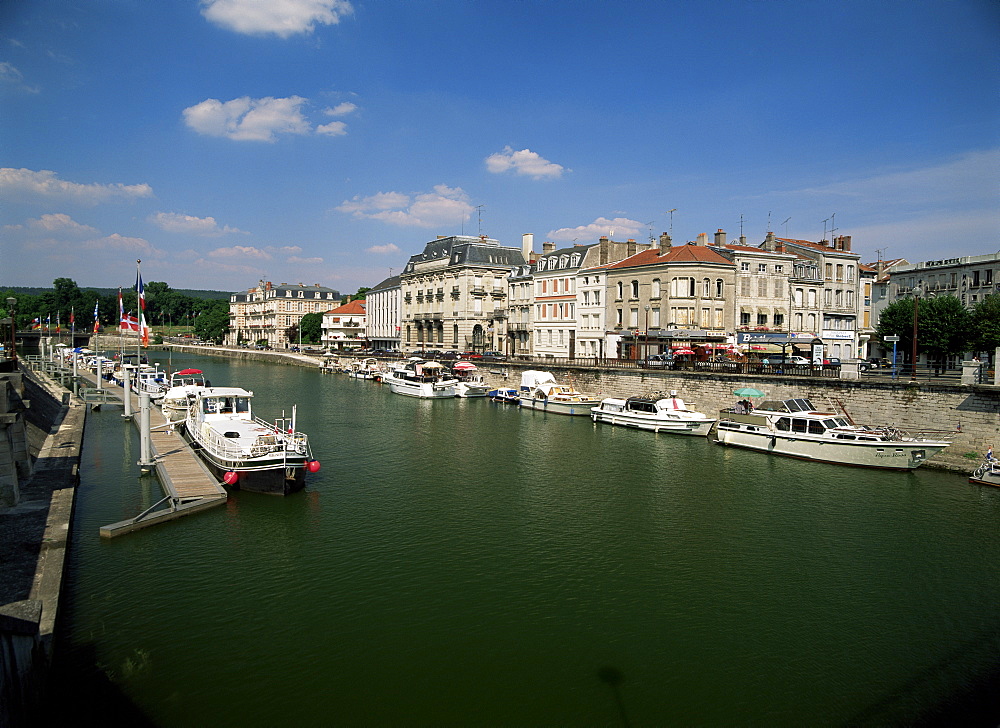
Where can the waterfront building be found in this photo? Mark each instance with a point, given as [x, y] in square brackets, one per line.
[517, 326]
[670, 293]
[344, 327]
[825, 286]
[453, 294]
[271, 313]
[382, 311]
[970, 278]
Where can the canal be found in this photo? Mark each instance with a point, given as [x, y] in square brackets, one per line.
[457, 562]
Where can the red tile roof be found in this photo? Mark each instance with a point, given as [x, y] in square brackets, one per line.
[677, 254]
[355, 307]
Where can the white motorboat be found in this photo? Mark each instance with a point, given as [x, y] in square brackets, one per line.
[151, 380]
[179, 396]
[505, 395]
[795, 428]
[539, 390]
[244, 451]
[420, 378]
[469, 383]
[654, 412]
[366, 369]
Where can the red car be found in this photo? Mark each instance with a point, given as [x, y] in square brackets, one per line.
[470, 355]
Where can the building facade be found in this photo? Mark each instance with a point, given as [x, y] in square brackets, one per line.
[453, 294]
[382, 309]
[344, 327]
[270, 314]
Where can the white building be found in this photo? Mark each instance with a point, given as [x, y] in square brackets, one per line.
[382, 308]
[344, 326]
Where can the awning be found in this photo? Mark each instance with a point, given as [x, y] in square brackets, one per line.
[683, 352]
[464, 366]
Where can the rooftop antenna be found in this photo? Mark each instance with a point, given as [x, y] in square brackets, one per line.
[824, 228]
[479, 209]
[650, 226]
[741, 225]
[879, 251]
[833, 224]
[671, 213]
[769, 221]
[785, 223]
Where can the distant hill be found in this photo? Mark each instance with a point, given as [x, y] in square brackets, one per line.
[34, 291]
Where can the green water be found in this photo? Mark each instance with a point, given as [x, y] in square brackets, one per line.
[464, 563]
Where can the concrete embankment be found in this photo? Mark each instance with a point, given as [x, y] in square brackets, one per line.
[969, 415]
[34, 533]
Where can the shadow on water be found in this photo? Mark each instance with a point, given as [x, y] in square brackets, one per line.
[613, 677]
[80, 692]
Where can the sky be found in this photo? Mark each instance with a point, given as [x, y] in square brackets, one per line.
[326, 141]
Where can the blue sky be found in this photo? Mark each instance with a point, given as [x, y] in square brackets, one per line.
[325, 141]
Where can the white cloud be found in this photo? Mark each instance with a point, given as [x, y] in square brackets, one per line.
[45, 183]
[444, 206]
[341, 109]
[382, 249]
[285, 249]
[246, 119]
[305, 261]
[173, 222]
[118, 242]
[9, 74]
[282, 18]
[240, 251]
[620, 228]
[334, 128]
[524, 162]
[60, 223]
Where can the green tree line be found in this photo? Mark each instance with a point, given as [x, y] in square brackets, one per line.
[164, 307]
[944, 326]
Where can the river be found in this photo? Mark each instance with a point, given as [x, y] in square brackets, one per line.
[458, 562]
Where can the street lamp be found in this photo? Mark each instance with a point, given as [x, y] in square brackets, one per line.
[11, 307]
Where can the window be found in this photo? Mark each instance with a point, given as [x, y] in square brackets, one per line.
[779, 319]
[762, 267]
[829, 271]
[619, 318]
[779, 268]
[762, 319]
[744, 318]
[840, 271]
[654, 318]
[633, 317]
[745, 266]
[779, 288]
[597, 298]
[621, 290]
[762, 287]
[719, 288]
[706, 288]
[654, 291]
[635, 289]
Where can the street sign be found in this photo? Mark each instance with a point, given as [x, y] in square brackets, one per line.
[892, 338]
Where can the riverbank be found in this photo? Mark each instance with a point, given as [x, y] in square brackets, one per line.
[969, 415]
[34, 532]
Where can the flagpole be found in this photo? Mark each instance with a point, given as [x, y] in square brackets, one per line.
[138, 302]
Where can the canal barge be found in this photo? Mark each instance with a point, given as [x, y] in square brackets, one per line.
[795, 428]
[246, 452]
[420, 378]
[653, 412]
[539, 390]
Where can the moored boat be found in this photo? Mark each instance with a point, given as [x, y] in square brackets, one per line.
[468, 384]
[795, 428]
[420, 378]
[539, 390]
[180, 394]
[244, 451]
[654, 412]
[987, 474]
[366, 369]
[505, 395]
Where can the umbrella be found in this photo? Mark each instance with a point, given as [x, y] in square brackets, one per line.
[184, 372]
[683, 352]
[465, 366]
[748, 392]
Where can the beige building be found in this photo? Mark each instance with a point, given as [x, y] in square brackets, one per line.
[453, 294]
[266, 312]
[670, 293]
[344, 327]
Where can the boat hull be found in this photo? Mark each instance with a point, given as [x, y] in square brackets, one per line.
[577, 409]
[985, 475]
[889, 455]
[422, 390]
[469, 389]
[276, 476]
[698, 427]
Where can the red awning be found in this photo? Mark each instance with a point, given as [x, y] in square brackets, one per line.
[189, 371]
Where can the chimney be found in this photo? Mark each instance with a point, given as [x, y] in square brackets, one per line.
[527, 243]
[605, 257]
[548, 247]
[720, 238]
[665, 243]
[770, 242]
[630, 248]
[880, 267]
[702, 239]
[843, 242]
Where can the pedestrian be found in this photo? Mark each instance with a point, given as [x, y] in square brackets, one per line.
[989, 454]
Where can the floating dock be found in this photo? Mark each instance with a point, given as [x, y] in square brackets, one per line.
[188, 485]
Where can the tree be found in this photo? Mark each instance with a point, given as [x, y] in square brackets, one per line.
[986, 324]
[213, 323]
[312, 328]
[360, 295]
[943, 326]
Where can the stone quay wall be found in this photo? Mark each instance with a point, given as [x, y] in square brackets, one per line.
[969, 415]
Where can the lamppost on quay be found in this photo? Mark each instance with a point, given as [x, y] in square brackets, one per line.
[916, 308]
[11, 308]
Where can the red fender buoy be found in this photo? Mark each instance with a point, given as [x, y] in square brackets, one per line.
[231, 478]
[312, 466]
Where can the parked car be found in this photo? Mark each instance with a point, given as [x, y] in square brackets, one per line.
[832, 361]
[659, 360]
[471, 355]
[793, 360]
[494, 356]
